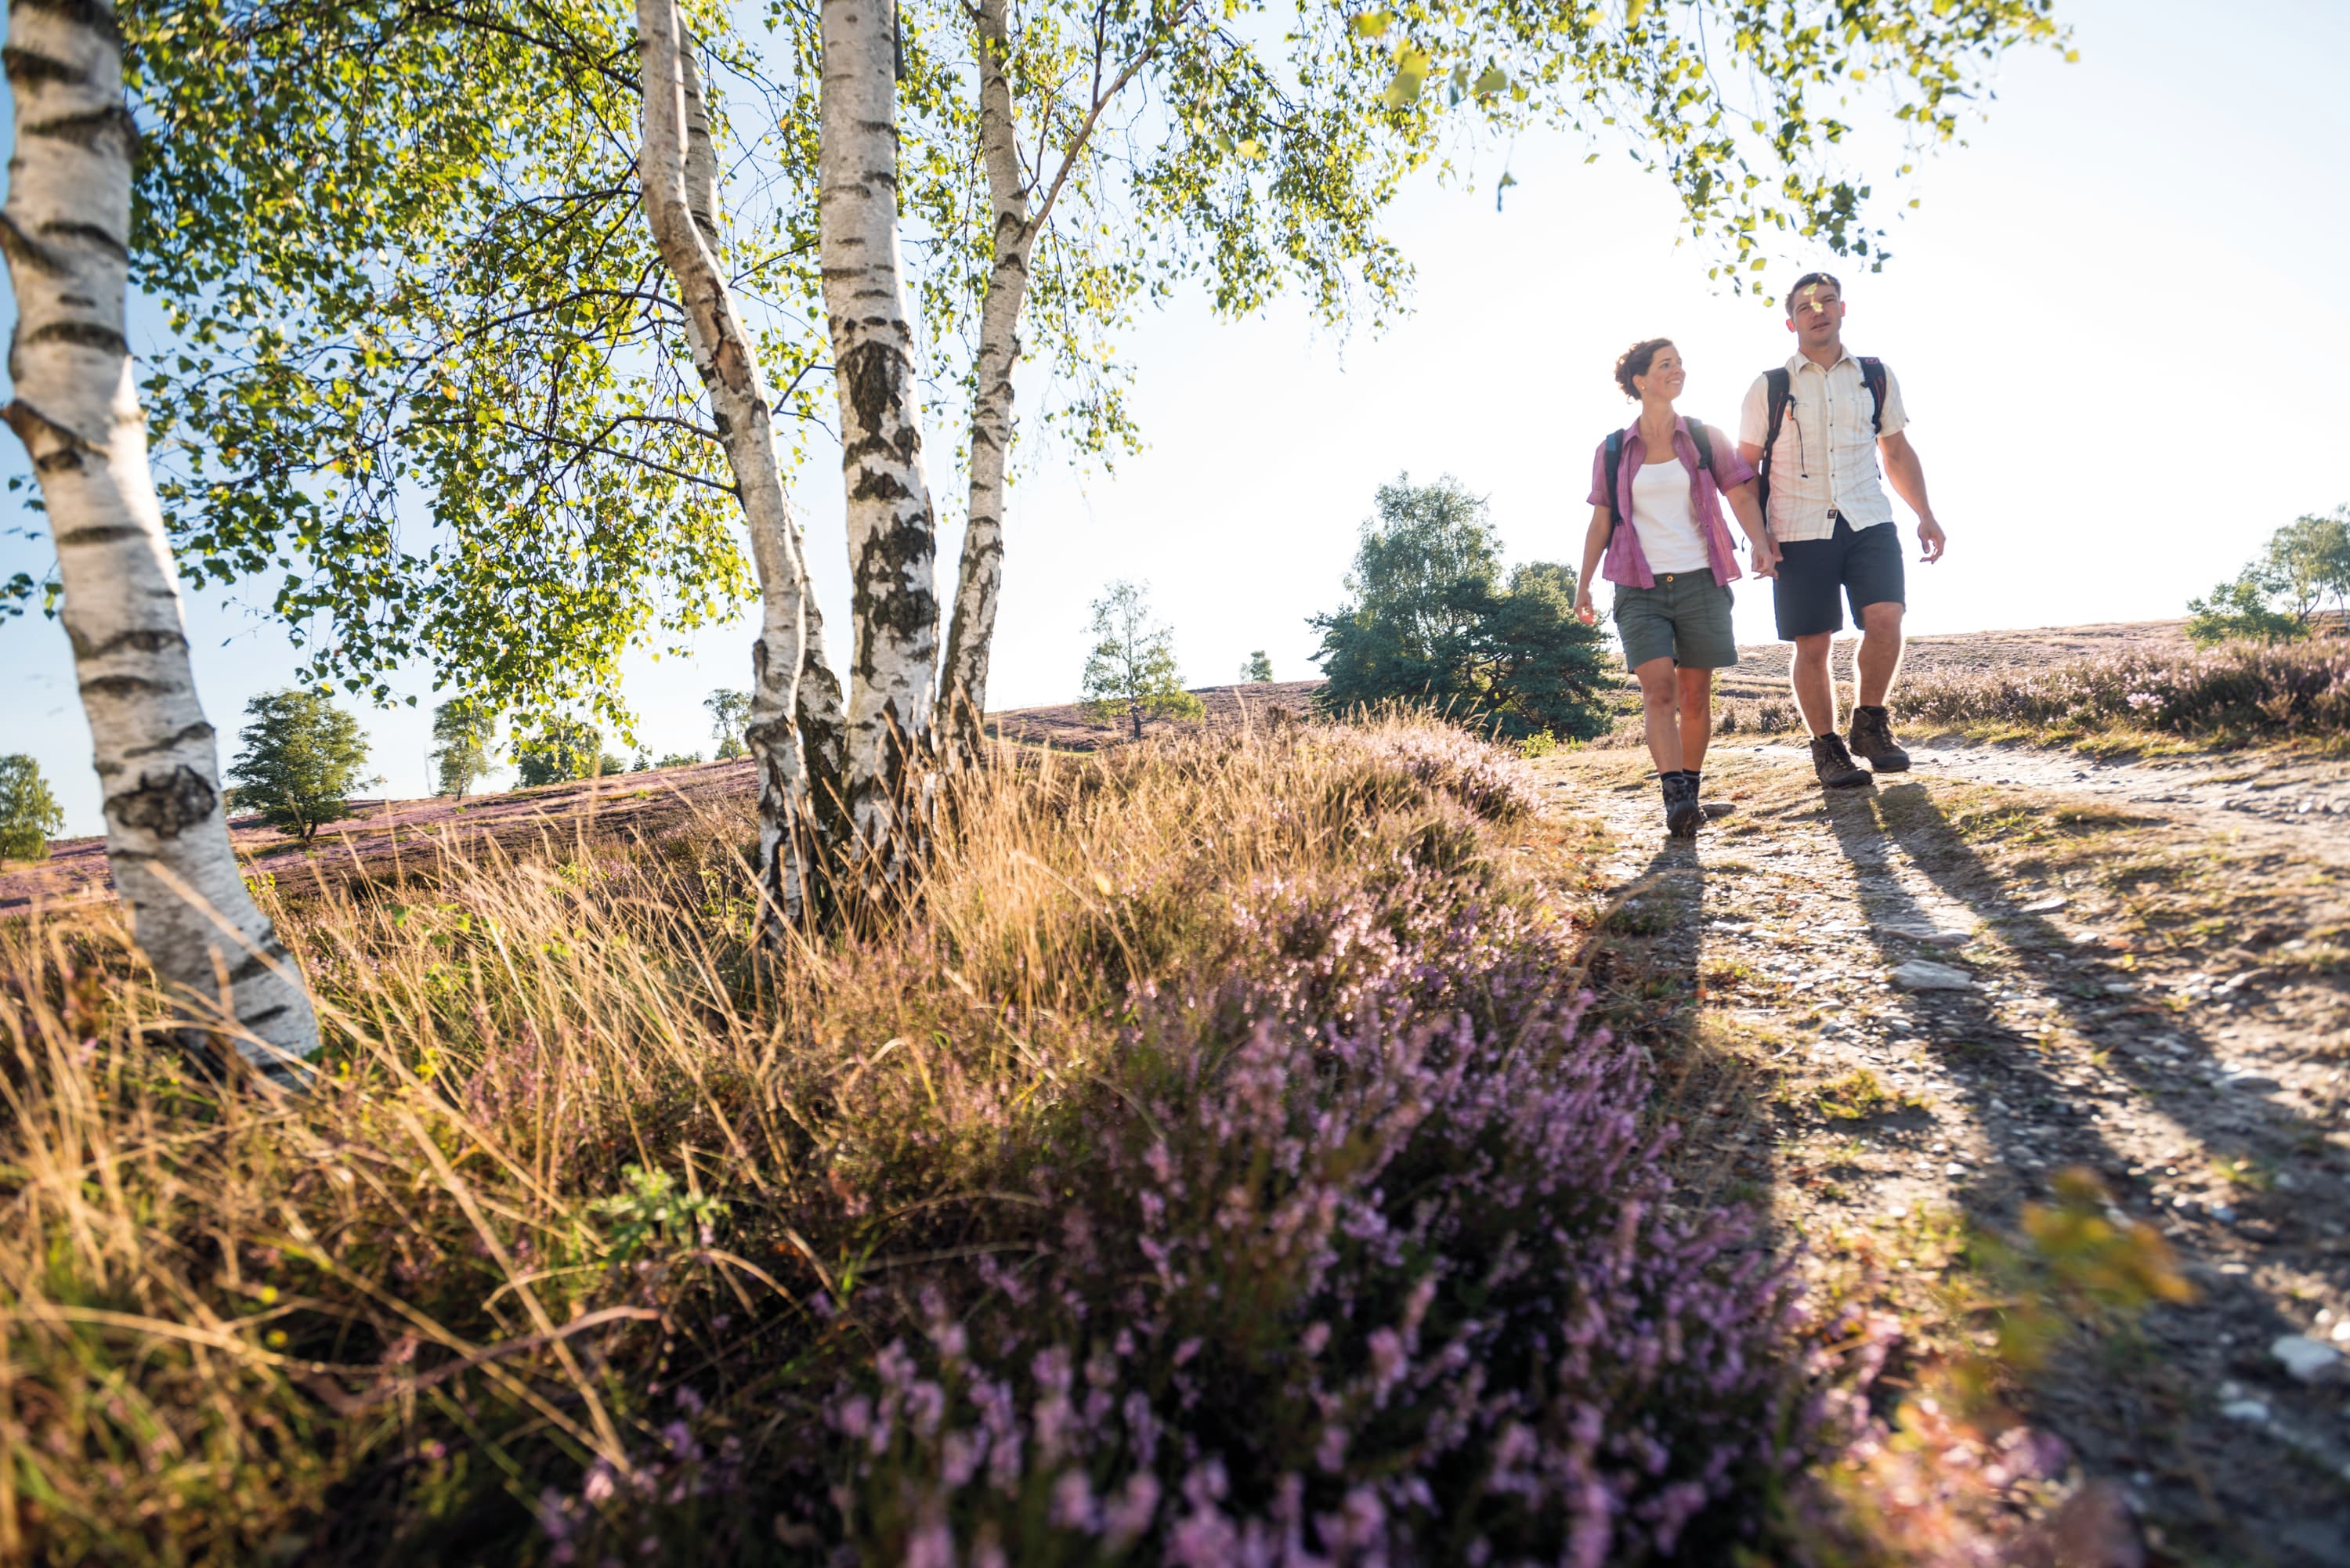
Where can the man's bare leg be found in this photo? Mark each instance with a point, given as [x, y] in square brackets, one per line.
[1814, 691]
[1880, 653]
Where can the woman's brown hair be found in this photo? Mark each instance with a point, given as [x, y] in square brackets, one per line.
[1636, 362]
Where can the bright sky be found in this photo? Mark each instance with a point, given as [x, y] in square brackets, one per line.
[2134, 270]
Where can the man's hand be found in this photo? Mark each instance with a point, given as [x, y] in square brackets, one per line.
[1930, 536]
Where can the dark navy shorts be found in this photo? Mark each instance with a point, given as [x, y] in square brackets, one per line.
[1863, 563]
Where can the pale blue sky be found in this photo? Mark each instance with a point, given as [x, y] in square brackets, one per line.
[2117, 315]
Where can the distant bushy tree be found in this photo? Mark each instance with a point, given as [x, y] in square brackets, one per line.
[1257, 668]
[1434, 622]
[2275, 597]
[679, 760]
[462, 729]
[301, 759]
[562, 750]
[1131, 673]
[28, 812]
[729, 711]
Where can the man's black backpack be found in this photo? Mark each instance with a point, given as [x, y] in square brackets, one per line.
[1780, 391]
[1615, 467]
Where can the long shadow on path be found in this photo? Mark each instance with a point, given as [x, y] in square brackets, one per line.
[2238, 1487]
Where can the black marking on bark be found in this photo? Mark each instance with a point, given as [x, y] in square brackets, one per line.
[122, 686]
[25, 251]
[104, 534]
[254, 966]
[84, 129]
[198, 730]
[877, 484]
[166, 806]
[253, 1020]
[57, 461]
[92, 14]
[28, 67]
[88, 233]
[86, 334]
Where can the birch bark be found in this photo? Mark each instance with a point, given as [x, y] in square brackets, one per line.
[892, 531]
[795, 728]
[979, 580]
[65, 230]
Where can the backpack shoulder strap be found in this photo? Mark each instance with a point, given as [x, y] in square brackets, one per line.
[1704, 445]
[1615, 468]
[1872, 376]
[1778, 389]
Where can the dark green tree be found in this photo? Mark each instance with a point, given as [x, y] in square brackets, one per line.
[1257, 667]
[1131, 673]
[301, 758]
[562, 750]
[28, 812]
[2308, 563]
[462, 729]
[1434, 623]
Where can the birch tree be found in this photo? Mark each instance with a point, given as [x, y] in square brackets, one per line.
[65, 231]
[796, 726]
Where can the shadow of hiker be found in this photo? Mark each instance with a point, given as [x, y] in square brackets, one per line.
[2037, 1116]
[1651, 984]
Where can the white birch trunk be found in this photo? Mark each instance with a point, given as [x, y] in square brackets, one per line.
[980, 579]
[65, 231]
[795, 721]
[891, 529]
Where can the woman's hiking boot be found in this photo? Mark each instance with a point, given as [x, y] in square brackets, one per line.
[1872, 737]
[1834, 764]
[1683, 815]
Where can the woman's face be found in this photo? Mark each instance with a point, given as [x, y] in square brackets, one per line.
[1664, 375]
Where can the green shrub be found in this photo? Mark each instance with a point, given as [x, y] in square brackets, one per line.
[28, 812]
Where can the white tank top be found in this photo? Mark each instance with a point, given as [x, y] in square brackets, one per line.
[1660, 511]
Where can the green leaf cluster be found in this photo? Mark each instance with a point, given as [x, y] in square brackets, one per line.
[425, 376]
[1743, 105]
[729, 713]
[29, 814]
[301, 759]
[1435, 622]
[1257, 668]
[1131, 674]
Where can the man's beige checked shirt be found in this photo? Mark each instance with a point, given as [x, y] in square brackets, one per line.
[1826, 457]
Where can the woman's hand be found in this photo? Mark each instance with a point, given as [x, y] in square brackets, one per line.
[1766, 554]
[1583, 610]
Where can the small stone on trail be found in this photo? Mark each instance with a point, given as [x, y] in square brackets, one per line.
[2251, 1411]
[2251, 1080]
[1954, 1169]
[2043, 906]
[2303, 1357]
[1920, 974]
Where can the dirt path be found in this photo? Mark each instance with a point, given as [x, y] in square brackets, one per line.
[2126, 971]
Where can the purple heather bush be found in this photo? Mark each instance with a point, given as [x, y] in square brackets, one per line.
[2235, 693]
[1364, 1257]
[1217, 1166]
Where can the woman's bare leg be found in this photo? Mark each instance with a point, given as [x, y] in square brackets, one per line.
[1659, 703]
[1696, 694]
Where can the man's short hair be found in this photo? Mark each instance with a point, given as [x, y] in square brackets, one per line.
[1806, 280]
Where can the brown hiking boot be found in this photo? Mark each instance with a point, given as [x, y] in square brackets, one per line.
[1872, 737]
[1683, 815]
[1834, 764]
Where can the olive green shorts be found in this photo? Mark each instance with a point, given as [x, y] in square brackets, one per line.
[1685, 617]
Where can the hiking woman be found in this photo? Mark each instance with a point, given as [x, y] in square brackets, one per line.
[1673, 566]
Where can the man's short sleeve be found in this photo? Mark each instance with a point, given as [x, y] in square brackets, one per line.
[1895, 417]
[1755, 414]
[1731, 468]
[1599, 475]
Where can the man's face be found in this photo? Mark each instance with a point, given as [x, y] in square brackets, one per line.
[1815, 316]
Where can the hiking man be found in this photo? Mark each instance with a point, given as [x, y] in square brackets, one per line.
[1814, 430]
